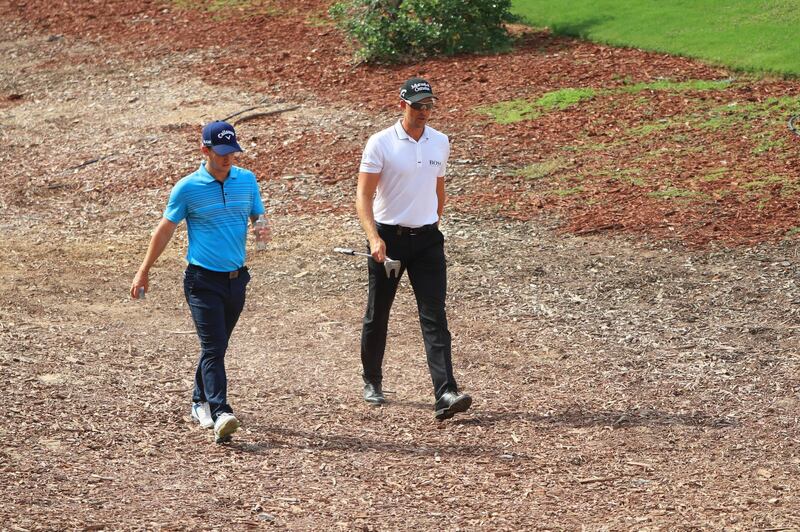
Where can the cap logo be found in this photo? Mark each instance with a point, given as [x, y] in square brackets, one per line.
[403, 93]
[421, 87]
[220, 137]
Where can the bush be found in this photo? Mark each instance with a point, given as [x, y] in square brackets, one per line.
[405, 30]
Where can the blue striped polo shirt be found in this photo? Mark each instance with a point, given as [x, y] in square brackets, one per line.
[217, 216]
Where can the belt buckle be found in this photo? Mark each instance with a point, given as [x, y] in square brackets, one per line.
[233, 274]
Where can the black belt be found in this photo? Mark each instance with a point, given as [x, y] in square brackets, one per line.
[401, 230]
[227, 275]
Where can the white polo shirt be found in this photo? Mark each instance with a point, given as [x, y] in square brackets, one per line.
[406, 193]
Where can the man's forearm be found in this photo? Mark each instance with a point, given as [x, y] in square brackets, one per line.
[158, 243]
[366, 217]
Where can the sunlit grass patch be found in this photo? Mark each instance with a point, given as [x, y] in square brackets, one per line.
[539, 170]
[763, 122]
[678, 86]
[672, 192]
[743, 34]
[518, 110]
[563, 192]
[511, 111]
[631, 176]
[794, 231]
[787, 186]
[769, 144]
[736, 114]
[714, 175]
[647, 129]
[564, 98]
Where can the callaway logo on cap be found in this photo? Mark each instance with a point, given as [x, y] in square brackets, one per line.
[220, 137]
[416, 89]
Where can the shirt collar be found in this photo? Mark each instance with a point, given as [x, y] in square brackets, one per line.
[401, 133]
[206, 177]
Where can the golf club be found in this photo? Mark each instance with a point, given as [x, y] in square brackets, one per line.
[391, 266]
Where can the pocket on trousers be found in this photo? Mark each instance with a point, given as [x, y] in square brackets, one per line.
[195, 281]
[189, 277]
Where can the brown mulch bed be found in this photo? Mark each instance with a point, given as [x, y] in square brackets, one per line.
[293, 54]
[621, 380]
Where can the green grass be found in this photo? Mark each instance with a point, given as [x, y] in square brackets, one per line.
[772, 113]
[563, 192]
[631, 176]
[647, 129]
[750, 35]
[714, 175]
[794, 231]
[775, 110]
[512, 111]
[537, 171]
[679, 86]
[564, 98]
[787, 187]
[518, 110]
[768, 143]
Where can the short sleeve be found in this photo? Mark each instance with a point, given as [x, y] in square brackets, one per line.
[176, 209]
[372, 158]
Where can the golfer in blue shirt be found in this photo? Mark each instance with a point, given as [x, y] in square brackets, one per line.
[216, 201]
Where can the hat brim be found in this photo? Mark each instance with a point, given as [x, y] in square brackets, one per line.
[421, 96]
[225, 149]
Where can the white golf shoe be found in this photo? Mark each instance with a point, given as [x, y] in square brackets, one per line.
[201, 412]
[225, 425]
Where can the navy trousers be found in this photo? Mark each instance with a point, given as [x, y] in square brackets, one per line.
[422, 256]
[215, 300]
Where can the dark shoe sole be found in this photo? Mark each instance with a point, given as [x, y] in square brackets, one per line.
[461, 405]
[374, 401]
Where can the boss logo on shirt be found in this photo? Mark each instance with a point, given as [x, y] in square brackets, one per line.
[435, 163]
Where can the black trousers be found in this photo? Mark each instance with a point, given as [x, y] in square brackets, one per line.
[422, 256]
[215, 300]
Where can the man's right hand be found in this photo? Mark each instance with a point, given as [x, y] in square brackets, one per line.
[139, 281]
[377, 249]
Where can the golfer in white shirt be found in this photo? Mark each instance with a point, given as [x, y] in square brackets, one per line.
[400, 200]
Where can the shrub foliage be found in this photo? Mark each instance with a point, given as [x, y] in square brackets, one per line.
[390, 31]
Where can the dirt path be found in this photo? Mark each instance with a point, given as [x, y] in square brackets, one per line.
[619, 384]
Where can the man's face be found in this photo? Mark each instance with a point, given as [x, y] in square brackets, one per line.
[417, 118]
[219, 163]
